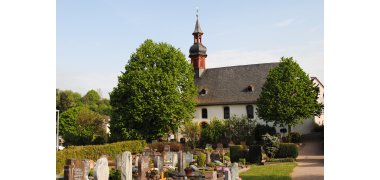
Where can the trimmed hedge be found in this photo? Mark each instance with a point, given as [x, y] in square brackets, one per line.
[287, 150]
[254, 154]
[281, 160]
[174, 146]
[236, 152]
[95, 151]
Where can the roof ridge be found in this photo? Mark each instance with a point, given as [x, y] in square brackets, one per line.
[243, 65]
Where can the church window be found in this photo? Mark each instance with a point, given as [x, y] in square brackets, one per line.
[204, 113]
[226, 111]
[250, 111]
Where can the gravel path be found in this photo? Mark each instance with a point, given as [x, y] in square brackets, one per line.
[310, 160]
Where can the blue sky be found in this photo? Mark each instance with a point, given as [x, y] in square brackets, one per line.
[96, 37]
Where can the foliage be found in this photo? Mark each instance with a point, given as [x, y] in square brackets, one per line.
[213, 133]
[236, 152]
[115, 174]
[95, 151]
[261, 130]
[255, 154]
[281, 160]
[288, 96]
[174, 146]
[271, 145]
[242, 161]
[294, 137]
[155, 94]
[91, 97]
[239, 129]
[287, 150]
[67, 99]
[191, 131]
[270, 172]
[81, 126]
[201, 160]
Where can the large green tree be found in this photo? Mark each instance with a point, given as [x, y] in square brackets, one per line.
[67, 99]
[154, 95]
[288, 95]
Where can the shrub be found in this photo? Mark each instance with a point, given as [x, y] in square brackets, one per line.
[115, 174]
[236, 152]
[271, 145]
[261, 130]
[211, 164]
[281, 160]
[295, 137]
[287, 150]
[255, 154]
[201, 159]
[238, 129]
[95, 151]
[174, 146]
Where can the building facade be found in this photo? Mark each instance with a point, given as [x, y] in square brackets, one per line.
[227, 91]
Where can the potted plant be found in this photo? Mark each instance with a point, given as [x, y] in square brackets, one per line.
[188, 171]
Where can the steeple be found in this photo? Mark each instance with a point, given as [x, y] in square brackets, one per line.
[198, 51]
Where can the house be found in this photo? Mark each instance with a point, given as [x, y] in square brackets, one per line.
[234, 90]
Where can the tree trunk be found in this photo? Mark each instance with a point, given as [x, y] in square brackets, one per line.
[289, 129]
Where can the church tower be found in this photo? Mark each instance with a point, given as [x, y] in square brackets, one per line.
[198, 51]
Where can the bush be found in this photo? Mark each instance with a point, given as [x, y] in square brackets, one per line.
[242, 161]
[287, 150]
[115, 174]
[255, 154]
[281, 160]
[295, 137]
[201, 160]
[261, 130]
[174, 146]
[271, 145]
[95, 151]
[236, 152]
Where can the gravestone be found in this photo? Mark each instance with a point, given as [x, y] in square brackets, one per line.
[137, 161]
[234, 171]
[76, 169]
[188, 158]
[208, 157]
[173, 159]
[143, 167]
[181, 165]
[227, 175]
[101, 169]
[158, 163]
[118, 161]
[126, 166]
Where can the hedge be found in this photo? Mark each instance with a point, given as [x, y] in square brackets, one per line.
[254, 154]
[174, 146]
[95, 151]
[287, 150]
[236, 152]
[280, 160]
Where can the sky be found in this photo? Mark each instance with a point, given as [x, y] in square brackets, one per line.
[95, 38]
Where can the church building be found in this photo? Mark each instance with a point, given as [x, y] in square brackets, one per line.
[234, 90]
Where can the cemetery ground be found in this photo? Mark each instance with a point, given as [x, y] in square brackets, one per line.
[278, 171]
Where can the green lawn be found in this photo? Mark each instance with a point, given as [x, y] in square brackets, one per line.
[279, 171]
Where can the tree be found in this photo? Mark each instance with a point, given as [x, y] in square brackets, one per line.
[91, 98]
[81, 126]
[67, 100]
[191, 131]
[288, 96]
[155, 94]
[239, 129]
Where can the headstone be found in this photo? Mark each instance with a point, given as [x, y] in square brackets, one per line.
[118, 161]
[208, 157]
[76, 169]
[158, 163]
[227, 175]
[234, 171]
[174, 159]
[101, 169]
[137, 161]
[126, 166]
[143, 167]
[188, 158]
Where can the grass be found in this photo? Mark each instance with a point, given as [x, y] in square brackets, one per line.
[280, 171]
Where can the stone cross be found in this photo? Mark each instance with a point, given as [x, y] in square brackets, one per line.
[76, 169]
[143, 167]
[126, 166]
[234, 171]
[101, 169]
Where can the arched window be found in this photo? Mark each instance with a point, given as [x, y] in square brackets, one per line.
[204, 113]
[250, 111]
[250, 88]
[226, 111]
